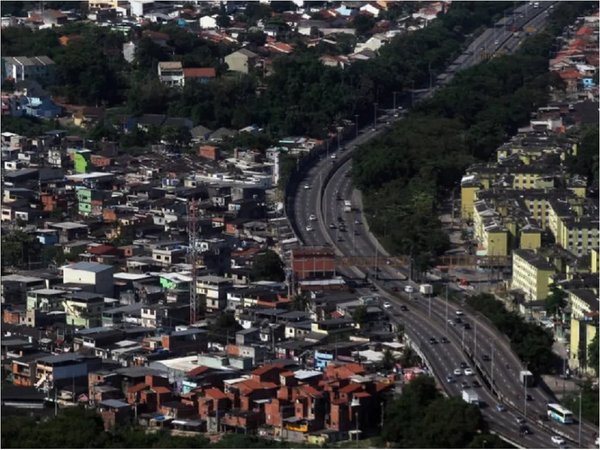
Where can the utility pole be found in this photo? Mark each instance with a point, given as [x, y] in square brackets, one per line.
[193, 257]
[475, 336]
[580, 393]
[395, 92]
[446, 308]
[492, 382]
[375, 114]
[525, 398]
[356, 123]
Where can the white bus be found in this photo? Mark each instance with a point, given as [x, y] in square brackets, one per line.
[560, 414]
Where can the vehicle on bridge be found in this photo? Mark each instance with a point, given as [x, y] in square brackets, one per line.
[347, 206]
[470, 396]
[560, 414]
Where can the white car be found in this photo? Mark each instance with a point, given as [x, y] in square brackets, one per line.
[309, 228]
[469, 372]
[457, 372]
[334, 156]
[409, 289]
[558, 440]
[306, 186]
[312, 217]
[459, 312]
[387, 305]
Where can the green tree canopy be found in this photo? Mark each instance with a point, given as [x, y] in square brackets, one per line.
[267, 266]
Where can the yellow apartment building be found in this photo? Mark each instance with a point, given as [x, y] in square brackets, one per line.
[584, 326]
[531, 274]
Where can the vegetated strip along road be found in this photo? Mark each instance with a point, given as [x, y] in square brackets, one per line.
[329, 213]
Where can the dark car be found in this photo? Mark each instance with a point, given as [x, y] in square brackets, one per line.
[403, 308]
[458, 320]
[463, 365]
[432, 340]
[476, 384]
[485, 357]
[467, 326]
[524, 429]
[444, 340]
[529, 398]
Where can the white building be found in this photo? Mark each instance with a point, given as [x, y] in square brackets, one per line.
[171, 73]
[37, 68]
[100, 276]
[208, 22]
[215, 291]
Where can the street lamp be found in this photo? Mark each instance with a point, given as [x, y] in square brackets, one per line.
[356, 123]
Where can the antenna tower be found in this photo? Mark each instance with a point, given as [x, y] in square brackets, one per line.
[192, 214]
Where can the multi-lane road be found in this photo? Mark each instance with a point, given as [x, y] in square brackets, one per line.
[320, 218]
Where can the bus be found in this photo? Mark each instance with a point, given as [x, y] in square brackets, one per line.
[560, 414]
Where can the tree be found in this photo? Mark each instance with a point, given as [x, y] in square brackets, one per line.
[389, 360]
[364, 23]
[267, 266]
[299, 302]
[359, 315]
[19, 249]
[556, 301]
[593, 351]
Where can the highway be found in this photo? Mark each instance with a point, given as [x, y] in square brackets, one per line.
[319, 214]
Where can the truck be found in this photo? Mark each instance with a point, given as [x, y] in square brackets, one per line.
[347, 206]
[526, 378]
[426, 289]
[470, 396]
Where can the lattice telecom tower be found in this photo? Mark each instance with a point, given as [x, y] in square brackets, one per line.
[192, 215]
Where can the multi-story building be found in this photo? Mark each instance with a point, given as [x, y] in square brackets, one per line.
[170, 73]
[584, 326]
[84, 309]
[98, 276]
[531, 274]
[37, 68]
[214, 289]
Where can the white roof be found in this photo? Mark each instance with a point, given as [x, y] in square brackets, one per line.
[130, 276]
[303, 374]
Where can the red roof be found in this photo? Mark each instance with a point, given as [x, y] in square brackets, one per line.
[584, 31]
[215, 393]
[161, 390]
[200, 72]
[197, 371]
[266, 368]
[352, 387]
[137, 388]
[308, 389]
[101, 249]
[362, 394]
[570, 74]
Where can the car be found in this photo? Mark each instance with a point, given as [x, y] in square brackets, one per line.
[458, 320]
[387, 305]
[343, 229]
[444, 340]
[457, 372]
[469, 372]
[309, 228]
[463, 365]
[450, 379]
[467, 326]
[306, 186]
[496, 42]
[357, 222]
[464, 385]
[333, 156]
[524, 429]
[312, 217]
[459, 312]
[451, 322]
[529, 397]
[520, 420]
[340, 239]
[340, 219]
[373, 287]
[432, 341]
[557, 440]
[476, 384]
[485, 357]
[500, 407]
[403, 308]
[338, 197]
[332, 226]
[409, 289]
